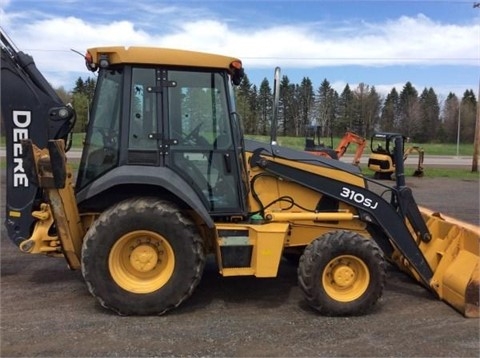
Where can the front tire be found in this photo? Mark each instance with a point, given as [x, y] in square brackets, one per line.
[342, 273]
[142, 256]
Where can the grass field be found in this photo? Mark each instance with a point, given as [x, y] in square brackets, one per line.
[465, 149]
[429, 148]
[445, 149]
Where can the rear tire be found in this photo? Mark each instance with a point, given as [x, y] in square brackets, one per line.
[142, 256]
[342, 273]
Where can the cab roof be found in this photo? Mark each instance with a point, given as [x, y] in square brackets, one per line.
[160, 56]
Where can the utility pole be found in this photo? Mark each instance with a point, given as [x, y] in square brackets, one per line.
[476, 142]
[458, 126]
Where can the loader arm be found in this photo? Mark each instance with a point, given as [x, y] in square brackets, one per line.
[439, 252]
[372, 208]
[30, 110]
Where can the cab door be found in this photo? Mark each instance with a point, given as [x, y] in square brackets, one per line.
[145, 123]
[201, 142]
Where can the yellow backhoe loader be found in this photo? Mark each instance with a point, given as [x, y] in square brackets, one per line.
[167, 178]
[382, 159]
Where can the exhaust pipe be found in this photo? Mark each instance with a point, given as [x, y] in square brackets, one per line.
[276, 100]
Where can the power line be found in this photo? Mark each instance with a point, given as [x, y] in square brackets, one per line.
[315, 58]
[363, 58]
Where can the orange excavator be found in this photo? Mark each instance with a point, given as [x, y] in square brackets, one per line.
[320, 149]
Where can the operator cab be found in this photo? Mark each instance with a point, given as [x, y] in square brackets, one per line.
[382, 158]
[384, 143]
[170, 111]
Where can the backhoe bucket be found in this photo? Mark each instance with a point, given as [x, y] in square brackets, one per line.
[453, 255]
[418, 173]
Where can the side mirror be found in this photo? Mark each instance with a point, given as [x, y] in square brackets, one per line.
[238, 76]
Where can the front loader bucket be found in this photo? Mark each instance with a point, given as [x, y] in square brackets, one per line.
[453, 255]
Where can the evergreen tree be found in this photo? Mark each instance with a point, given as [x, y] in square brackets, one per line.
[79, 86]
[367, 108]
[448, 131]
[244, 101]
[326, 107]
[89, 88]
[389, 117]
[299, 130]
[409, 111]
[254, 104]
[429, 116]
[306, 100]
[287, 91]
[346, 114]
[265, 103]
[468, 110]
[82, 96]
[372, 115]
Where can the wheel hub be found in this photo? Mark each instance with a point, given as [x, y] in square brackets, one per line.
[144, 258]
[343, 276]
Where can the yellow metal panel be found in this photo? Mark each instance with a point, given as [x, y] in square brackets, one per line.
[268, 249]
[62, 210]
[453, 255]
[269, 188]
[237, 271]
[161, 56]
[303, 233]
[332, 173]
[14, 214]
[381, 157]
[456, 277]
[267, 241]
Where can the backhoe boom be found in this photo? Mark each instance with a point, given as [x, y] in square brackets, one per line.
[30, 110]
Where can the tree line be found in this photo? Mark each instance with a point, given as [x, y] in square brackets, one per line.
[362, 110]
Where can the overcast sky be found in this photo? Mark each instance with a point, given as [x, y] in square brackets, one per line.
[381, 43]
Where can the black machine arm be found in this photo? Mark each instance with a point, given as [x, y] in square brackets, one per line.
[30, 109]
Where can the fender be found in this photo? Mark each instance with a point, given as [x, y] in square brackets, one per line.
[157, 176]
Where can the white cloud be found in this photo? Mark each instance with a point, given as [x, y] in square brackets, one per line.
[405, 40]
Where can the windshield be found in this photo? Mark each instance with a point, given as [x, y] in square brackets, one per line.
[101, 149]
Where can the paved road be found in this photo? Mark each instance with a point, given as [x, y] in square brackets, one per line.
[444, 160]
[429, 160]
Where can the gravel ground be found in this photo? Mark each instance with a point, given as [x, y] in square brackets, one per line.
[46, 311]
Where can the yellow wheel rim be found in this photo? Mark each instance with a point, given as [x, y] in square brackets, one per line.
[141, 261]
[345, 278]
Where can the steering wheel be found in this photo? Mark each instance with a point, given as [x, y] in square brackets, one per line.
[109, 138]
[194, 134]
